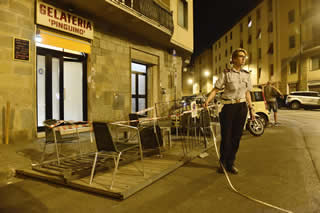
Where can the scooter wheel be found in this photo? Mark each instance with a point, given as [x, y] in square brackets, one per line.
[255, 127]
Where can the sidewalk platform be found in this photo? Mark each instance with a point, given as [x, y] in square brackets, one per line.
[75, 171]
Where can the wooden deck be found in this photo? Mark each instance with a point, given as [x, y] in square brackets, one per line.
[75, 172]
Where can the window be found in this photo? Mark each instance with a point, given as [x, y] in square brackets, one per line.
[219, 70]
[259, 73]
[230, 35]
[138, 87]
[230, 50]
[259, 53]
[315, 63]
[293, 67]
[291, 16]
[249, 22]
[249, 39]
[270, 50]
[216, 58]
[226, 66]
[292, 42]
[219, 56]
[226, 39]
[271, 70]
[183, 13]
[250, 58]
[270, 27]
[270, 5]
[257, 96]
[216, 46]
[258, 34]
[241, 27]
[258, 14]
[241, 43]
[226, 53]
[219, 44]
[216, 70]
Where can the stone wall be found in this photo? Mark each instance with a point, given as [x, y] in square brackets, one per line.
[17, 79]
[109, 67]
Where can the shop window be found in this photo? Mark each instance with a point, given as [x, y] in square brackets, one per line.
[293, 67]
[292, 42]
[291, 16]
[183, 13]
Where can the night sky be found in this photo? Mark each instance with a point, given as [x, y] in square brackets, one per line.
[213, 17]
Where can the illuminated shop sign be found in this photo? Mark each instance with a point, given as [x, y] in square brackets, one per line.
[58, 19]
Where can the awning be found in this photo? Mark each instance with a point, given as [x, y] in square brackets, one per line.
[64, 41]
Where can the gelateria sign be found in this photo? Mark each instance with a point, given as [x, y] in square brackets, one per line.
[58, 19]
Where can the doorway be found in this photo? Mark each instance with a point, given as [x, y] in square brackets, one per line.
[138, 87]
[61, 86]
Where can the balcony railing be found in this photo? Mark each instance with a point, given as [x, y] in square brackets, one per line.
[151, 10]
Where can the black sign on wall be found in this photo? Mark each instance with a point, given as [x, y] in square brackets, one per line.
[21, 49]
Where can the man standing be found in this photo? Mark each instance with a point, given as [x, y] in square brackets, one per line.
[236, 83]
[271, 93]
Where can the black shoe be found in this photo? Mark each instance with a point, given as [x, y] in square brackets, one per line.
[233, 170]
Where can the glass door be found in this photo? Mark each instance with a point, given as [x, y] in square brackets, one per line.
[61, 86]
[138, 87]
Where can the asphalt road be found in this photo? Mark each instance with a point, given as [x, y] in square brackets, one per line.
[281, 167]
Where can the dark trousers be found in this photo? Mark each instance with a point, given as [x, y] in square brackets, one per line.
[232, 120]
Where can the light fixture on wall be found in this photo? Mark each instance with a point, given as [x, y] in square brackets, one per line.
[206, 73]
[190, 81]
[38, 37]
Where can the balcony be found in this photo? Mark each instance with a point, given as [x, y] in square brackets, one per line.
[310, 47]
[144, 18]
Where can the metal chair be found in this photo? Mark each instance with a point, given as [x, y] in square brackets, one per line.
[106, 145]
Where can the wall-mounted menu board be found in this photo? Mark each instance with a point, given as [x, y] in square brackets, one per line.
[21, 49]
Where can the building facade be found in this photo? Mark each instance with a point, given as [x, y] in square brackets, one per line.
[70, 60]
[281, 37]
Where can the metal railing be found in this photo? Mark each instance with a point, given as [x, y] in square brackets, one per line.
[151, 10]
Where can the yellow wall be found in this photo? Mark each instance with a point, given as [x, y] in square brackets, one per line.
[181, 36]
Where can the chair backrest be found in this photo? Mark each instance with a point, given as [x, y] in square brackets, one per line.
[103, 137]
[135, 118]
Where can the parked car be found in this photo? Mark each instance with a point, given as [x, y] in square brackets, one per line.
[305, 99]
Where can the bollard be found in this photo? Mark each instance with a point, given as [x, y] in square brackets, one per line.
[6, 139]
